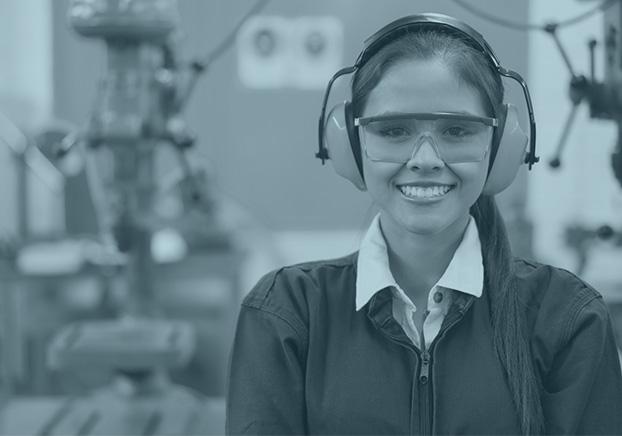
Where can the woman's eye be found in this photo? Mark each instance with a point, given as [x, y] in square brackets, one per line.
[394, 133]
[458, 132]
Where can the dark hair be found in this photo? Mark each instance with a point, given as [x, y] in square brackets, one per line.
[510, 331]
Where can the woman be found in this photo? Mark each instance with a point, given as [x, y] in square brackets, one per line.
[432, 326]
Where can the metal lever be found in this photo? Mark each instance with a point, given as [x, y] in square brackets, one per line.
[551, 29]
[578, 90]
[555, 161]
[592, 45]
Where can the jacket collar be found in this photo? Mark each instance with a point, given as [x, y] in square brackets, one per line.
[465, 272]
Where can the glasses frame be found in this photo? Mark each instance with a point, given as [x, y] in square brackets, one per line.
[363, 121]
[488, 121]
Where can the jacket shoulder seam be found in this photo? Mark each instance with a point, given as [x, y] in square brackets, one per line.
[280, 311]
[263, 296]
[301, 337]
[341, 262]
[585, 297]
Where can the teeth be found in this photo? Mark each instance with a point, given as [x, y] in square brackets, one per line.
[414, 191]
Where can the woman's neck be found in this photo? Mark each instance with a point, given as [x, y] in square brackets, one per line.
[418, 261]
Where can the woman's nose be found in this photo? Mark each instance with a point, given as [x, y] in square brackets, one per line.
[425, 156]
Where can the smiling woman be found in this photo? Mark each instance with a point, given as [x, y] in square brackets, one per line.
[431, 327]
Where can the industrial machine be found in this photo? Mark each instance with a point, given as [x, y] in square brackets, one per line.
[138, 112]
[604, 99]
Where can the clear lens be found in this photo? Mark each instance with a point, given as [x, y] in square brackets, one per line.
[396, 138]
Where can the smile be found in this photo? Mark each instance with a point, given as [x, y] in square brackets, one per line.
[427, 192]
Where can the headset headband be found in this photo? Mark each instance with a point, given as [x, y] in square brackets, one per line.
[377, 40]
[373, 43]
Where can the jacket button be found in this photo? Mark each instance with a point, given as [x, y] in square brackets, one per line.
[438, 297]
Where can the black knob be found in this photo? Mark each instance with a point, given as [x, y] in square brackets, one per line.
[605, 232]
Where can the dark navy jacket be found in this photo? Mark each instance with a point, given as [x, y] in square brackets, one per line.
[305, 362]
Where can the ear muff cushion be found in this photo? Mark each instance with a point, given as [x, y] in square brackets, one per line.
[340, 150]
[509, 156]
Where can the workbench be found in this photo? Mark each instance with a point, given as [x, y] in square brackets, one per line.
[66, 416]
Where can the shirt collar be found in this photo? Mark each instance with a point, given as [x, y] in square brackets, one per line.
[465, 272]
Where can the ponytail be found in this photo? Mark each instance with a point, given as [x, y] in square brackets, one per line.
[510, 337]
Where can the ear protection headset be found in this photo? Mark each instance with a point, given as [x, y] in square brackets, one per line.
[339, 139]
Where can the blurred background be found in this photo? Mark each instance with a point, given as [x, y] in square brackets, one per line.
[157, 158]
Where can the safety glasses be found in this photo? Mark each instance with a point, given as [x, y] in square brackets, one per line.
[457, 137]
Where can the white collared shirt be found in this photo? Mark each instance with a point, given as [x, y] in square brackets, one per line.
[465, 273]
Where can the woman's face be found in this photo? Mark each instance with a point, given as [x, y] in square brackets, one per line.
[425, 195]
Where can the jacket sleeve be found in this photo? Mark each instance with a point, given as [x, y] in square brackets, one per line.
[583, 390]
[266, 375]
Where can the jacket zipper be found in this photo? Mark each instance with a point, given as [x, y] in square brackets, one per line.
[424, 372]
